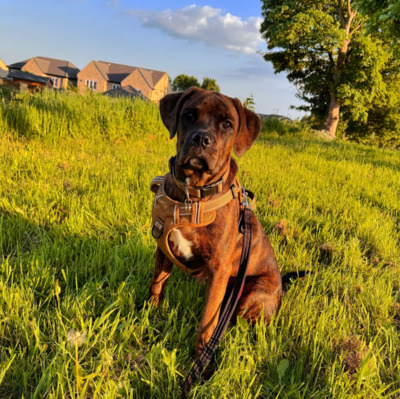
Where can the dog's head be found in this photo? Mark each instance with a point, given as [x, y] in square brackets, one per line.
[208, 125]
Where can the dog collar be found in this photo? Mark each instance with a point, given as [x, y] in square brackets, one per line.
[197, 192]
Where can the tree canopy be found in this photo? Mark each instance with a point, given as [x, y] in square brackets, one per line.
[210, 84]
[338, 68]
[183, 82]
[382, 13]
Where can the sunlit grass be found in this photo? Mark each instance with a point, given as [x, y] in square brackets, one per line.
[76, 257]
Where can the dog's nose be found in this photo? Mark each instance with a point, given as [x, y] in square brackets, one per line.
[202, 139]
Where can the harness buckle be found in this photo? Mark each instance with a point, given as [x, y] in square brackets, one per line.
[157, 230]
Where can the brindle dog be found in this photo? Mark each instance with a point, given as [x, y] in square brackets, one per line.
[208, 126]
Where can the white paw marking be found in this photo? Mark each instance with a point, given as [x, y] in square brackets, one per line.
[181, 244]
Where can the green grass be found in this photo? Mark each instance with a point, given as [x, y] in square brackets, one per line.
[76, 257]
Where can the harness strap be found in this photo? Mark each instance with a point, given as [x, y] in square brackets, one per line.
[226, 314]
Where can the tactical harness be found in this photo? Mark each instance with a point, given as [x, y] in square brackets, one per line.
[168, 214]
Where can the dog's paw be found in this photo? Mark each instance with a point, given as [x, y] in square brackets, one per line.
[154, 300]
[201, 342]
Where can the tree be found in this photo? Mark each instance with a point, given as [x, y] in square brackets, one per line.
[249, 103]
[325, 50]
[183, 82]
[380, 122]
[210, 84]
[382, 12]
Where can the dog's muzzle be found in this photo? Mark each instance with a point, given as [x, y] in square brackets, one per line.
[197, 150]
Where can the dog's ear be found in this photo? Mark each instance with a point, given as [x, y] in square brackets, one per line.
[249, 128]
[171, 106]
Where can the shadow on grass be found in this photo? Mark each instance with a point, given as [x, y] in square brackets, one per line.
[51, 280]
[49, 252]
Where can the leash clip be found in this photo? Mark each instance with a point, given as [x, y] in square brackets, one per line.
[245, 202]
[188, 205]
[187, 200]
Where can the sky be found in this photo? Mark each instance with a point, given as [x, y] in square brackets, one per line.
[211, 38]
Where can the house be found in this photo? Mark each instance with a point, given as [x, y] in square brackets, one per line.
[3, 66]
[62, 73]
[103, 76]
[24, 81]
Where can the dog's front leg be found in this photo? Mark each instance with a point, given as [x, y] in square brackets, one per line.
[216, 288]
[162, 271]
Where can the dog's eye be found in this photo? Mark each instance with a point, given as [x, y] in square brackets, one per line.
[227, 125]
[189, 116]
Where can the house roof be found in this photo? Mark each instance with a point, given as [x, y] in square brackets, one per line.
[116, 73]
[51, 66]
[28, 77]
[18, 65]
[126, 91]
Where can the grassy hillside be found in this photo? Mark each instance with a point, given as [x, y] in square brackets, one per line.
[76, 258]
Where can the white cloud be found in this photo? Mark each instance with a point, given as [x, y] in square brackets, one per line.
[206, 24]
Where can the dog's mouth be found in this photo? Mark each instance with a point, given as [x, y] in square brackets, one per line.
[195, 162]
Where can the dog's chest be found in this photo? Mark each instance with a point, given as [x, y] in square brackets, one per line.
[180, 245]
[187, 245]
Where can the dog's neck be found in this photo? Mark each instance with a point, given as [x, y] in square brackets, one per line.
[227, 173]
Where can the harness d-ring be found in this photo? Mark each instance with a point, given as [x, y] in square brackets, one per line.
[160, 227]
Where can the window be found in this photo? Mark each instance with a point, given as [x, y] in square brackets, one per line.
[115, 86]
[92, 84]
[55, 82]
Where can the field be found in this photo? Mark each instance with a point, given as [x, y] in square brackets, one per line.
[76, 259]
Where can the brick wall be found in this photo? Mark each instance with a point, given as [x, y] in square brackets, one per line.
[3, 66]
[135, 79]
[32, 67]
[91, 72]
[160, 90]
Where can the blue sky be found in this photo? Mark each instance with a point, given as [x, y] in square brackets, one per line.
[218, 39]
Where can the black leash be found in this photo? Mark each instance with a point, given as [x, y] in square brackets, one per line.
[226, 313]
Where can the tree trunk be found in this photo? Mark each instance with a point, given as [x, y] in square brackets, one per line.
[332, 120]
